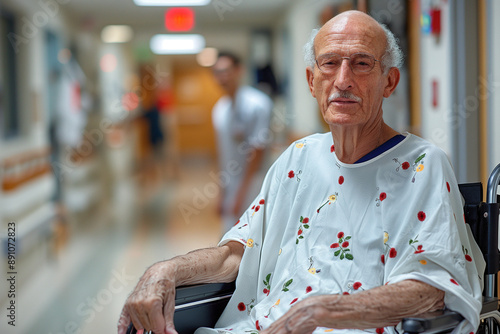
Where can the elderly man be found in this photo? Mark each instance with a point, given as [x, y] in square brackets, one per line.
[353, 230]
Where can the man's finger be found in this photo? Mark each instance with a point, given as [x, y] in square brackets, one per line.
[157, 321]
[138, 324]
[168, 313]
[123, 322]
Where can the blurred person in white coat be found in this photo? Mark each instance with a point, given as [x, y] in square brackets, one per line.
[241, 120]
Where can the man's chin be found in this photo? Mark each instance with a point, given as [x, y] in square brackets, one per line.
[340, 119]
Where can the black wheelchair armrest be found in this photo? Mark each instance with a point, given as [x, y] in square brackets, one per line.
[201, 306]
[198, 306]
[432, 322]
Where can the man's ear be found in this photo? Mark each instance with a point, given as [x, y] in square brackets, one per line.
[310, 79]
[392, 81]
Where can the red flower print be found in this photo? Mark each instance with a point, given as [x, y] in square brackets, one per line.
[302, 227]
[382, 258]
[262, 202]
[379, 331]
[257, 208]
[291, 174]
[332, 149]
[341, 179]
[453, 281]
[237, 223]
[421, 216]
[448, 186]
[293, 301]
[343, 252]
[356, 285]
[241, 307]
[253, 207]
[382, 196]
[309, 289]
[345, 293]
[405, 165]
[257, 325]
[393, 253]
[266, 291]
[466, 252]
[419, 249]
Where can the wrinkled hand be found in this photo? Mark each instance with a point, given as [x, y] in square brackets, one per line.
[300, 319]
[151, 305]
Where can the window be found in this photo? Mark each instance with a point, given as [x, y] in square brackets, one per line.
[9, 113]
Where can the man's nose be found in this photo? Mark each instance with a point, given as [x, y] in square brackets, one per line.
[344, 78]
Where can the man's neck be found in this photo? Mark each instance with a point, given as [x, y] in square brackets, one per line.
[352, 143]
[232, 93]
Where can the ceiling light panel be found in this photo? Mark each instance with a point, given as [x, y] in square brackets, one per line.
[165, 44]
[117, 34]
[183, 3]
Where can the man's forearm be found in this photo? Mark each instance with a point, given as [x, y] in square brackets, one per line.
[151, 304]
[383, 306]
[378, 307]
[210, 265]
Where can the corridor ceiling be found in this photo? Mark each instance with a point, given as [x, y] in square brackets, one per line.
[99, 13]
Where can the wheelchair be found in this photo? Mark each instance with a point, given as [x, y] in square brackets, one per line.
[201, 305]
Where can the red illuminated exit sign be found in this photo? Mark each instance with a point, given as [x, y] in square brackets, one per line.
[179, 19]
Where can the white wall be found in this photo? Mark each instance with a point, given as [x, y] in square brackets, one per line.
[435, 65]
[302, 108]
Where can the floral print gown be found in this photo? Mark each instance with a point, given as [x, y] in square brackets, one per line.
[320, 226]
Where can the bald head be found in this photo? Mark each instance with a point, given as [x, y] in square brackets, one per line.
[357, 25]
[354, 21]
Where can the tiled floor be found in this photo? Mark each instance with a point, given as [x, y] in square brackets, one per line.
[83, 289]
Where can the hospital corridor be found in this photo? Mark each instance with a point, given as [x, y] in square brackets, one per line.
[82, 287]
[134, 131]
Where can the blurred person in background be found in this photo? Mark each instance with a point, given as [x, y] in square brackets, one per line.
[241, 120]
[151, 133]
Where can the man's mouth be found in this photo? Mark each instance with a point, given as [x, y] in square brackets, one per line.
[344, 101]
[344, 98]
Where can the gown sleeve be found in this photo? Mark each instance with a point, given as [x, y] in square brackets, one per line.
[426, 238]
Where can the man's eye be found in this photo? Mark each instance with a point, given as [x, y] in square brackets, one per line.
[331, 62]
[362, 62]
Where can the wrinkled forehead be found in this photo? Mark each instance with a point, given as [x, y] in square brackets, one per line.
[346, 35]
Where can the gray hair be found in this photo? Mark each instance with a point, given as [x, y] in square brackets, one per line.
[393, 56]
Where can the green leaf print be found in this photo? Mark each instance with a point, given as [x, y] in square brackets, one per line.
[268, 278]
[286, 285]
[420, 158]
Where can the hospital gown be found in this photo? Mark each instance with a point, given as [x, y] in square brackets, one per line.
[320, 226]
